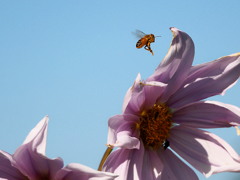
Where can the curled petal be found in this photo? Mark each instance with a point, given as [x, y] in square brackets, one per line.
[126, 141]
[205, 151]
[208, 114]
[119, 123]
[75, 171]
[176, 65]
[127, 137]
[113, 124]
[208, 86]
[180, 55]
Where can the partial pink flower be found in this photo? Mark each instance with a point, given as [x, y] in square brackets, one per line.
[163, 116]
[30, 163]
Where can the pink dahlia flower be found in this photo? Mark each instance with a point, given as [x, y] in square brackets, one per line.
[163, 116]
[30, 163]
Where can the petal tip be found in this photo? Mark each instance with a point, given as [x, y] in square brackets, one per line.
[174, 29]
[235, 54]
[46, 118]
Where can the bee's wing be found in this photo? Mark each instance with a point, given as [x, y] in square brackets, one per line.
[139, 34]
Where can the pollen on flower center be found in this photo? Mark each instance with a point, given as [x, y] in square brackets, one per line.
[154, 126]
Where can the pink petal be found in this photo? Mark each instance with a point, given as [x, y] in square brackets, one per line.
[208, 114]
[146, 96]
[211, 68]
[174, 168]
[135, 102]
[152, 165]
[37, 166]
[7, 170]
[134, 164]
[118, 162]
[142, 95]
[121, 131]
[145, 164]
[29, 158]
[38, 136]
[203, 150]
[76, 171]
[124, 140]
[175, 66]
[208, 86]
[134, 98]
[153, 91]
[131, 90]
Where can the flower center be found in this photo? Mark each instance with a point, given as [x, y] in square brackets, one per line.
[154, 126]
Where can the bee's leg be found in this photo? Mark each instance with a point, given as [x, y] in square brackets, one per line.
[148, 48]
[151, 51]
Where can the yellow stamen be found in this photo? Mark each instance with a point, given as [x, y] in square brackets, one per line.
[154, 126]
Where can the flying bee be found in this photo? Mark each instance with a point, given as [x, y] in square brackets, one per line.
[145, 40]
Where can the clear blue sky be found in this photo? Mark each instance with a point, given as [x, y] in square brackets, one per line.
[74, 60]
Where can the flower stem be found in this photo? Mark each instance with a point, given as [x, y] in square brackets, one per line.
[105, 155]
